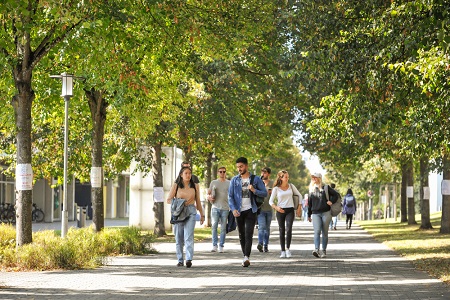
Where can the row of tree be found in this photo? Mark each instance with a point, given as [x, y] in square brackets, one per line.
[365, 82]
[381, 72]
[202, 75]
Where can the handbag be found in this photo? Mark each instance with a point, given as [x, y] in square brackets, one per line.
[296, 198]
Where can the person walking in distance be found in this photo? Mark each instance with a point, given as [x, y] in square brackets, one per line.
[334, 219]
[319, 212]
[241, 199]
[265, 213]
[284, 192]
[218, 196]
[185, 188]
[194, 177]
[349, 208]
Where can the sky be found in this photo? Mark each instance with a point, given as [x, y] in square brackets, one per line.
[312, 163]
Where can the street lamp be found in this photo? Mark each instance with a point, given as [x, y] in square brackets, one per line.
[67, 92]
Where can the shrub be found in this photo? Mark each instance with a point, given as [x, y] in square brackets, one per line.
[81, 249]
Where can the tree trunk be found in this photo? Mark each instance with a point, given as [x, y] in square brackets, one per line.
[411, 204]
[403, 198]
[22, 103]
[424, 203]
[445, 220]
[158, 207]
[97, 105]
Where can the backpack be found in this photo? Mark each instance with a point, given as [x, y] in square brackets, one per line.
[258, 200]
[336, 207]
[350, 201]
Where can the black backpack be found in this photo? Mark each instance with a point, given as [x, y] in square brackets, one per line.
[258, 200]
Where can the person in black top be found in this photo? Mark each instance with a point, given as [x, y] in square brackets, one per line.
[319, 212]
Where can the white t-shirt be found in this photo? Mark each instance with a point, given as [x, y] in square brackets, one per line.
[285, 198]
[246, 202]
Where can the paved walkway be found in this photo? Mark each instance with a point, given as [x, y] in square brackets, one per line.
[357, 267]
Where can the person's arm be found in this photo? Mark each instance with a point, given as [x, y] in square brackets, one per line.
[272, 196]
[199, 204]
[171, 193]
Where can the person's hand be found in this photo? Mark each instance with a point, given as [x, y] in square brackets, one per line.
[279, 209]
[202, 219]
[236, 213]
[210, 198]
[309, 219]
[329, 203]
[251, 188]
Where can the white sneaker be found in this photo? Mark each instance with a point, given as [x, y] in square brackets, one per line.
[214, 249]
[323, 254]
[220, 249]
[316, 253]
[283, 254]
[288, 253]
[246, 262]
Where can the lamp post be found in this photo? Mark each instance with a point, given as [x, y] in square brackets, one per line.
[67, 92]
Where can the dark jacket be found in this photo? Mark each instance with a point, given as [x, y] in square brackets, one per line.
[317, 202]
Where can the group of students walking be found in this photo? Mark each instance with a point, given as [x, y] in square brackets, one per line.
[238, 197]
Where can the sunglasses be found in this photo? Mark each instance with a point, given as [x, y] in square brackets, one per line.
[222, 171]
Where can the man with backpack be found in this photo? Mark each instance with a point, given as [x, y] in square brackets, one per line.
[349, 208]
[242, 193]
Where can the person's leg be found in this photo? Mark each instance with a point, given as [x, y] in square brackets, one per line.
[326, 219]
[290, 216]
[261, 228]
[267, 232]
[317, 225]
[240, 222]
[346, 220]
[250, 221]
[281, 218]
[178, 232]
[214, 224]
[350, 221]
[223, 226]
[189, 226]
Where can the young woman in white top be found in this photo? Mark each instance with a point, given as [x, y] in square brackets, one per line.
[285, 210]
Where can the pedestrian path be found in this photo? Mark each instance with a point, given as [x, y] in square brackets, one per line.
[356, 267]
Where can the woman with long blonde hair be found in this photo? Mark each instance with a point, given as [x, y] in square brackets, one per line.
[319, 212]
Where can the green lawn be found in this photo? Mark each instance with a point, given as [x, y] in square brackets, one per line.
[427, 249]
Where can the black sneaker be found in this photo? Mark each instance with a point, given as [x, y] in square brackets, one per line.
[188, 264]
[259, 247]
[180, 264]
[266, 249]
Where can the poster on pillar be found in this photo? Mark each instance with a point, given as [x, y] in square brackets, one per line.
[158, 194]
[445, 188]
[410, 191]
[24, 177]
[96, 177]
[426, 193]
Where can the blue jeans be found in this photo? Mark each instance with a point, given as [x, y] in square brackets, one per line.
[333, 222]
[321, 222]
[184, 235]
[264, 220]
[216, 216]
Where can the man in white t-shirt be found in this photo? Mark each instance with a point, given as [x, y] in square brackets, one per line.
[241, 198]
[218, 196]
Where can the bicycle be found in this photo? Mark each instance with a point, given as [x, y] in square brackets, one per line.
[37, 214]
[8, 213]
